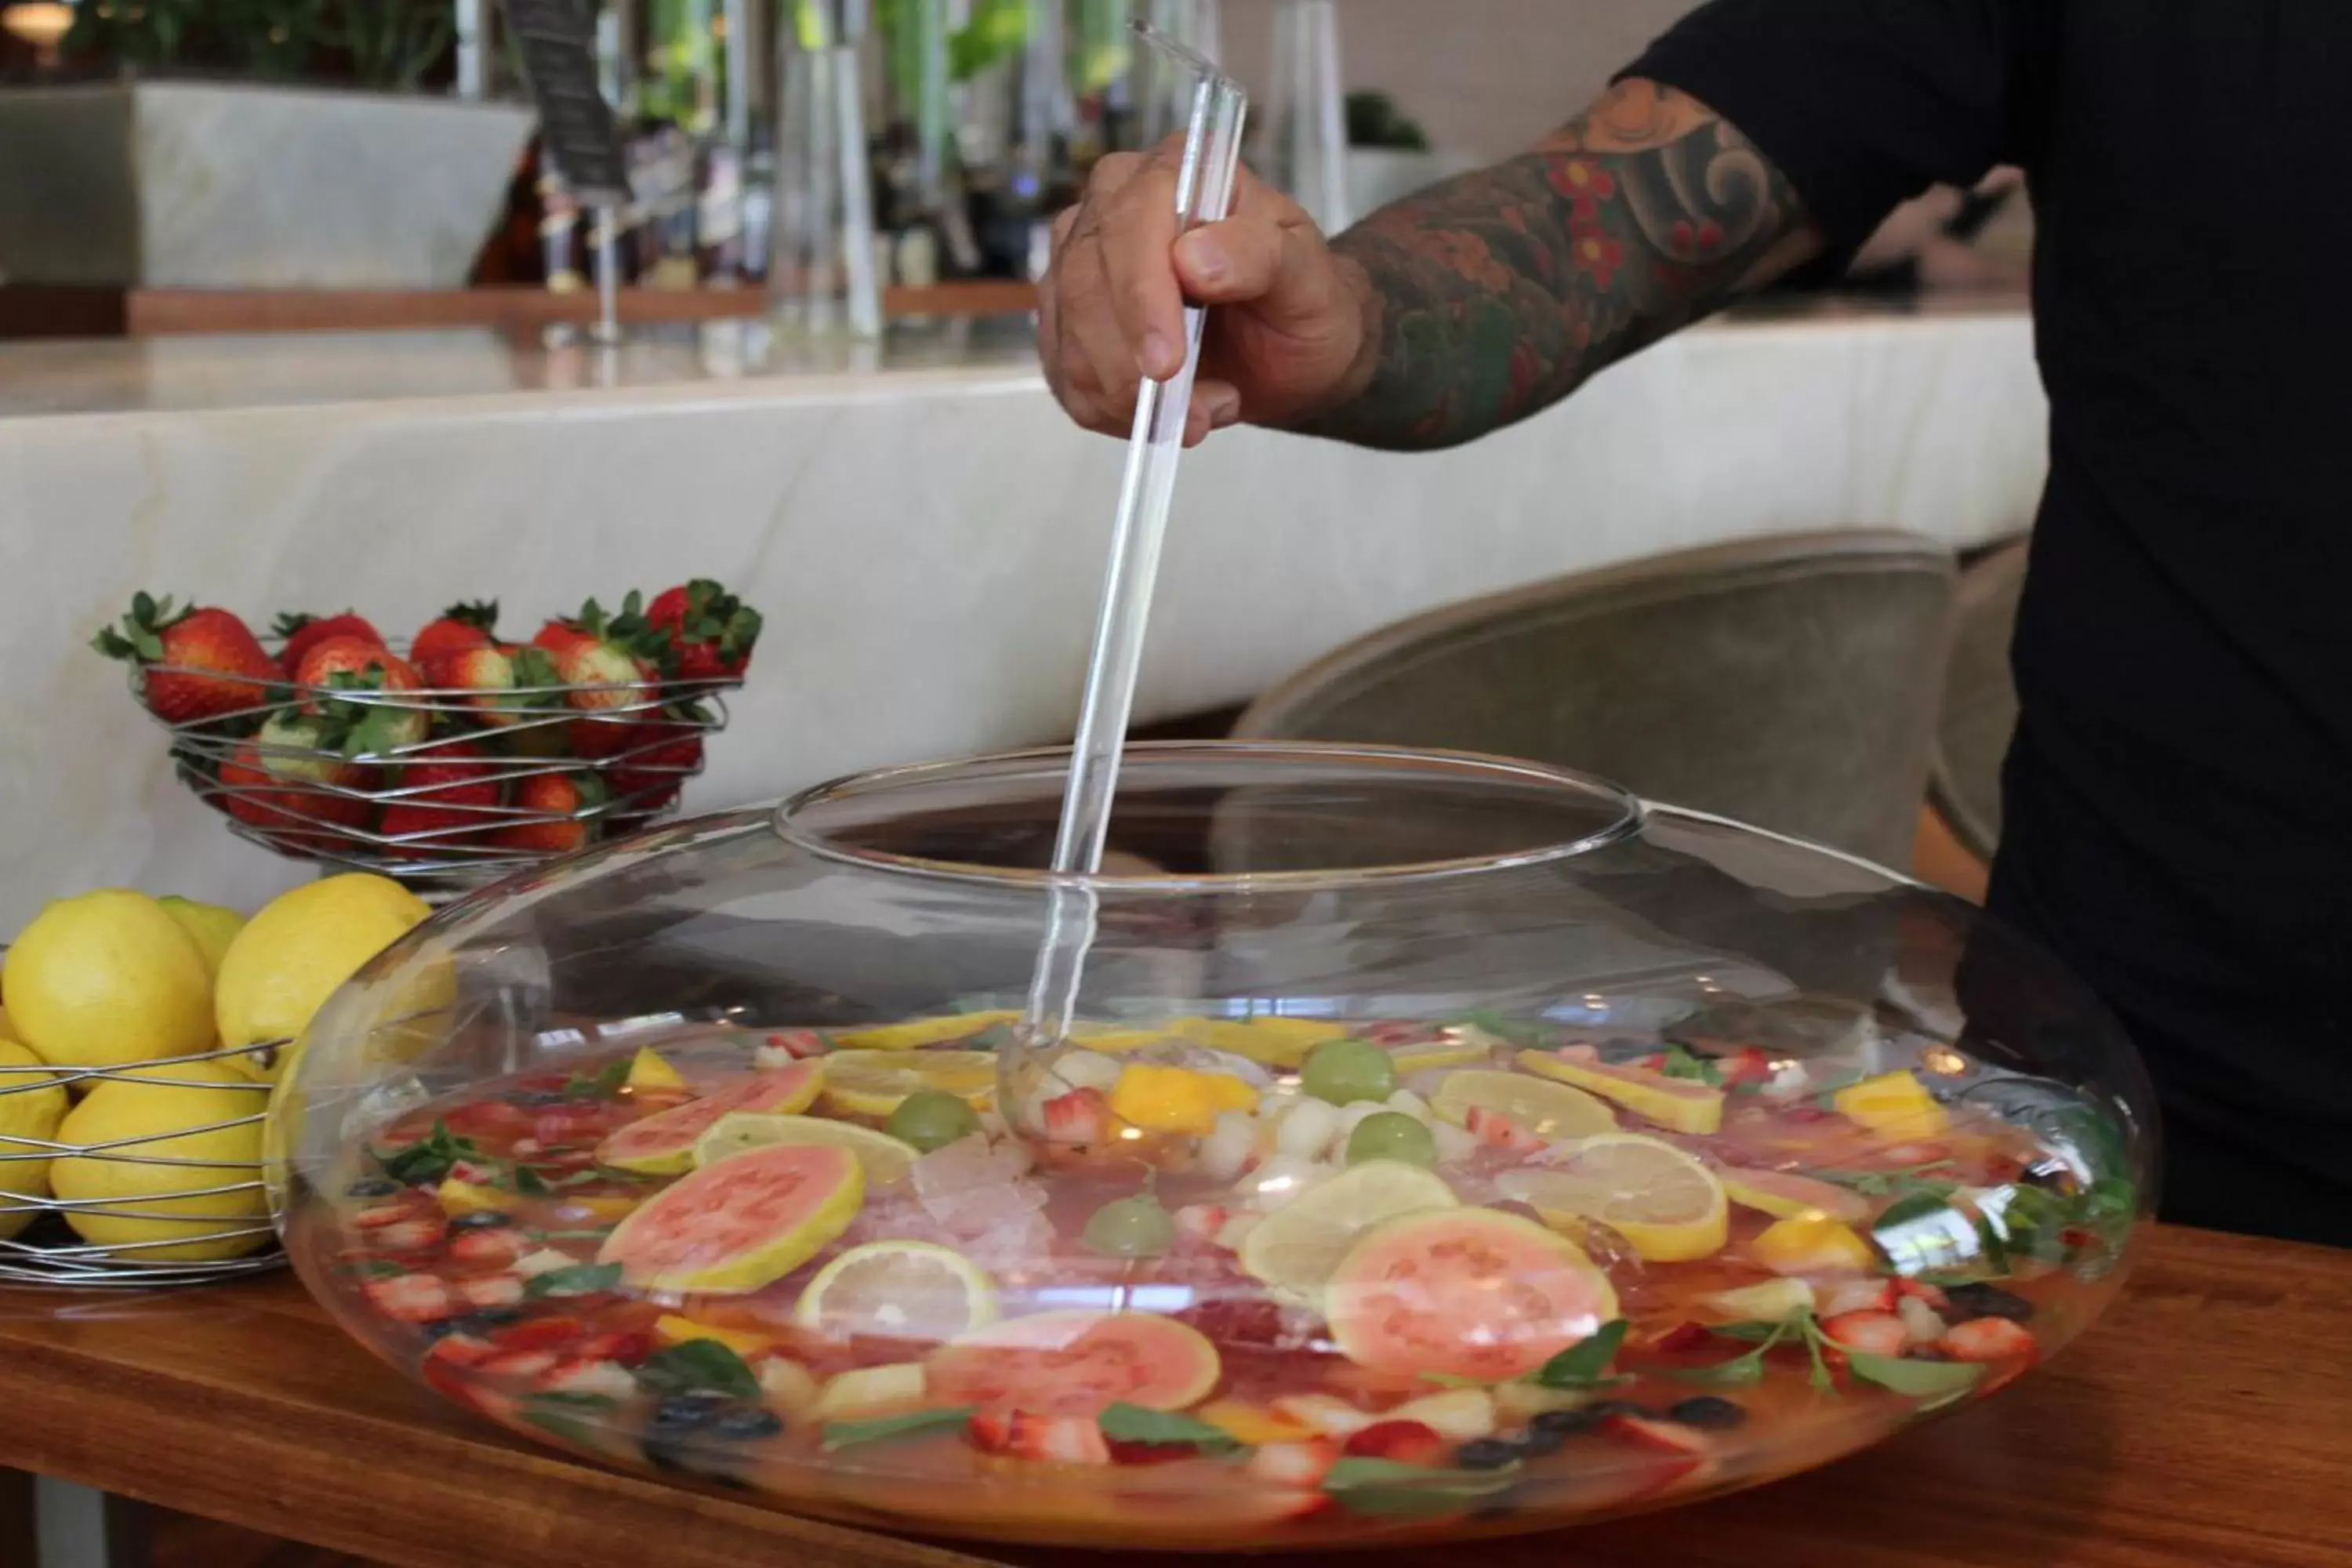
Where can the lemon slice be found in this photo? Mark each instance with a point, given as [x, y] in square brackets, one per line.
[1295, 1248]
[872, 1083]
[1681, 1104]
[1279, 1043]
[920, 1032]
[887, 1158]
[1668, 1206]
[906, 1290]
[1423, 1055]
[1552, 1111]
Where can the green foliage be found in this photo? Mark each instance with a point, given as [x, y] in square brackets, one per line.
[388, 44]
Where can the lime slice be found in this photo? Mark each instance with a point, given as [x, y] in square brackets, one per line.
[919, 1032]
[1667, 1205]
[1552, 1111]
[1295, 1248]
[885, 1159]
[906, 1290]
[872, 1083]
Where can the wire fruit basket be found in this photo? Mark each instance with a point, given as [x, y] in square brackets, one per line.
[170, 1200]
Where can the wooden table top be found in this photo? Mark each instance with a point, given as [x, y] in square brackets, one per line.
[2207, 1421]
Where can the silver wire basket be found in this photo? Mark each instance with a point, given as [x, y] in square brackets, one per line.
[47, 1250]
[319, 804]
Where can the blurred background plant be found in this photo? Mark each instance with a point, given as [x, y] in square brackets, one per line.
[385, 44]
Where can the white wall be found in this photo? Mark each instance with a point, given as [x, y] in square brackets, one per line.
[1486, 76]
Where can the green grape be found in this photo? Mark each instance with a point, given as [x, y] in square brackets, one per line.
[1392, 1135]
[1344, 1071]
[931, 1118]
[1131, 1228]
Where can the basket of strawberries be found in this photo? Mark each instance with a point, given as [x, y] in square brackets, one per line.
[455, 755]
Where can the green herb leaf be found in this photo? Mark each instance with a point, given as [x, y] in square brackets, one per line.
[1923, 1200]
[1164, 1429]
[579, 1280]
[1503, 1028]
[1682, 1062]
[561, 1424]
[1996, 1250]
[887, 1428]
[995, 1037]
[376, 1269]
[602, 1084]
[1923, 1379]
[430, 1158]
[1756, 1331]
[698, 1366]
[1739, 1372]
[530, 1183]
[1586, 1363]
[1385, 1487]
[580, 1401]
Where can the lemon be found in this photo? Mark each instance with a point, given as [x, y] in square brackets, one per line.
[1896, 1104]
[1423, 1055]
[204, 1201]
[32, 1103]
[650, 1069]
[1279, 1043]
[1550, 1111]
[1667, 1205]
[1295, 1248]
[7, 1029]
[921, 1032]
[1680, 1104]
[907, 1290]
[293, 955]
[210, 926]
[108, 979]
[1811, 1245]
[887, 1158]
[872, 1083]
[671, 1329]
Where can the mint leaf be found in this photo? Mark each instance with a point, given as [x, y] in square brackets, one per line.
[602, 1084]
[1682, 1062]
[1502, 1028]
[1585, 1363]
[1386, 1486]
[1920, 1379]
[886, 1428]
[430, 1158]
[579, 1280]
[1739, 1372]
[699, 1366]
[1164, 1429]
[1923, 1199]
[530, 1183]
[562, 1425]
[1756, 1331]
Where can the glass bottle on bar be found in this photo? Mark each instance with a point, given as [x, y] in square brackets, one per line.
[1307, 152]
[1102, 63]
[1163, 89]
[1010, 90]
[678, 105]
[825, 279]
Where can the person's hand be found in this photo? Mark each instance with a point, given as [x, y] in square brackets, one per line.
[1283, 344]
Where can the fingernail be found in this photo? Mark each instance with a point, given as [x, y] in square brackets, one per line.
[1202, 259]
[1225, 406]
[1161, 356]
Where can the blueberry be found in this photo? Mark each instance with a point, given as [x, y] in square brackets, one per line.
[1486, 1454]
[746, 1426]
[481, 1219]
[1602, 1410]
[1708, 1412]
[1535, 1443]
[1566, 1422]
[475, 1325]
[372, 1187]
[1987, 1301]
[685, 1413]
[535, 1097]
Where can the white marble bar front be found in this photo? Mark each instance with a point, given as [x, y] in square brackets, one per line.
[925, 538]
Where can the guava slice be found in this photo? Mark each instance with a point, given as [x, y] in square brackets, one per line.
[662, 1144]
[741, 1224]
[1468, 1293]
[1076, 1364]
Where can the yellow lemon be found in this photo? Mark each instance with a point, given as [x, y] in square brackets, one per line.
[204, 1201]
[920, 1032]
[1894, 1103]
[872, 1083]
[210, 926]
[1813, 1246]
[293, 955]
[108, 979]
[650, 1069]
[32, 1103]
[1668, 1205]
[1275, 1042]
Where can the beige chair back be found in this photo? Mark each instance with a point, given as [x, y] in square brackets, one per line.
[1788, 682]
[1980, 707]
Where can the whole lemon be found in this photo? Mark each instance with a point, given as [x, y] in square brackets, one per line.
[211, 926]
[31, 1105]
[291, 956]
[108, 979]
[206, 1203]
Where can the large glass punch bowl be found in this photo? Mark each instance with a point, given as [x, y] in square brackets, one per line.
[1420, 1146]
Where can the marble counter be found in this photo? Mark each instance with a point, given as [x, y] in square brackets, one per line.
[924, 532]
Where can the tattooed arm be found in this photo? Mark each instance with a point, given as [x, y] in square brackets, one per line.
[1495, 294]
[1455, 311]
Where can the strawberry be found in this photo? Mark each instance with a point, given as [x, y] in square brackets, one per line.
[1404, 1442]
[1055, 1439]
[1986, 1340]
[264, 786]
[562, 801]
[1687, 1457]
[195, 664]
[457, 630]
[1855, 1295]
[666, 755]
[447, 791]
[1871, 1334]
[1080, 1118]
[492, 1291]
[410, 1297]
[1497, 1131]
[710, 631]
[615, 657]
[304, 632]
[1747, 1065]
[1301, 1465]
[353, 665]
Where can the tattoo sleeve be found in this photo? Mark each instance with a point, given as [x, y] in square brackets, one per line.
[1494, 295]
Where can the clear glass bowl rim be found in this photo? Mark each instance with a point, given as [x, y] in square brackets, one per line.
[1468, 767]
